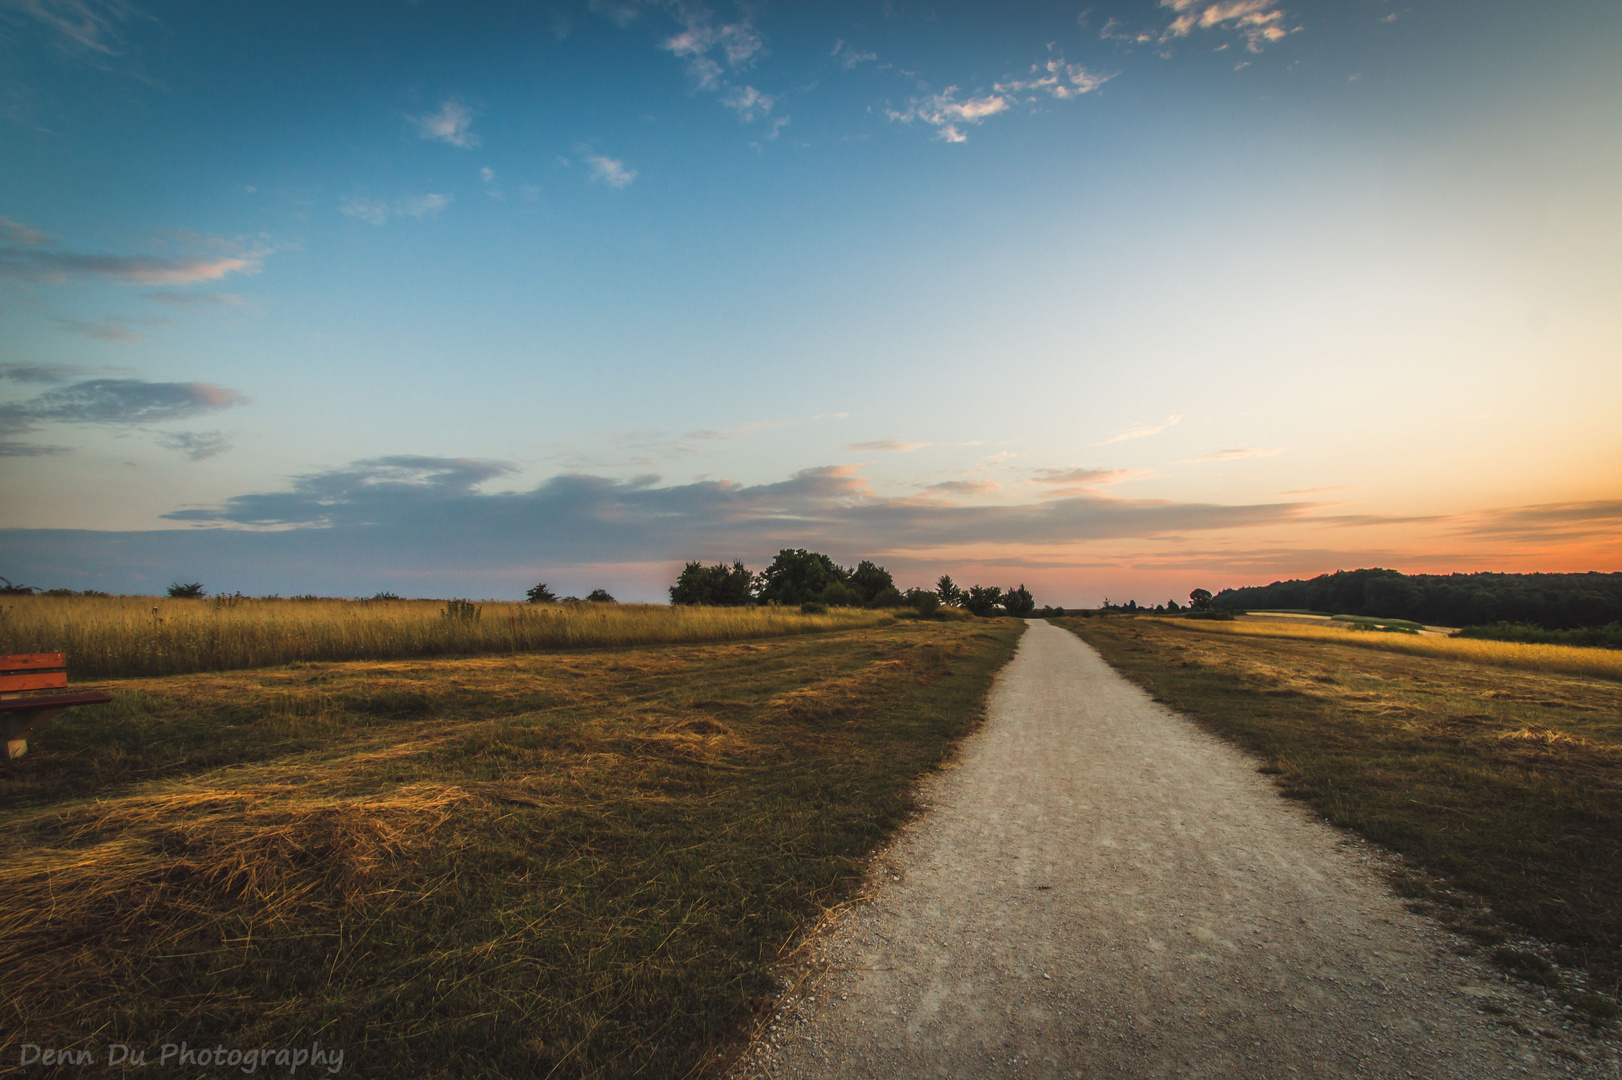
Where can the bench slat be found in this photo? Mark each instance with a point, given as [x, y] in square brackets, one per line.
[60, 701]
[43, 680]
[32, 661]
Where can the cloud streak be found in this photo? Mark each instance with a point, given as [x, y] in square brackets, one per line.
[108, 402]
[948, 112]
[1143, 432]
[26, 256]
[1258, 22]
[378, 212]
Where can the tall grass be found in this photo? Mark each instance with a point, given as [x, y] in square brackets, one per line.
[1564, 659]
[115, 637]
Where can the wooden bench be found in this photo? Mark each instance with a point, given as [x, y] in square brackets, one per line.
[21, 706]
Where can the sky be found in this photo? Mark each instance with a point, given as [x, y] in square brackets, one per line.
[1113, 299]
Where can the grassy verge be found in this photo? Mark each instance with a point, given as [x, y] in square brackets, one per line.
[1507, 783]
[1536, 658]
[122, 637]
[542, 865]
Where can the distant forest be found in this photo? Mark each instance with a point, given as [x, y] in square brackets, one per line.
[1552, 601]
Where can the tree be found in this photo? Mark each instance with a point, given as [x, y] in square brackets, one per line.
[1172, 605]
[1200, 600]
[870, 580]
[540, 594]
[797, 575]
[600, 596]
[839, 594]
[889, 597]
[947, 590]
[1018, 602]
[983, 601]
[194, 591]
[922, 600]
[717, 586]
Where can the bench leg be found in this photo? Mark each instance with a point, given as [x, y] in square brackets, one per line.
[19, 726]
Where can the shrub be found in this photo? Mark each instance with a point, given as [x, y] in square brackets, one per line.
[890, 596]
[385, 595]
[922, 601]
[811, 607]
[540, 594]
[461, 611]
[600, 596]
[838, 594]
[194, 591]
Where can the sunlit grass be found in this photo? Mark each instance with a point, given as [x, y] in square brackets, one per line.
[1566, 659]
[550, 864]
[113, 637]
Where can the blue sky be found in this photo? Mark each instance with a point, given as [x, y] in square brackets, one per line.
[1116, 299]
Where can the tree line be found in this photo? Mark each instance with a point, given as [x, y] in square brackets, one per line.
[1549, 601]
[813, 581]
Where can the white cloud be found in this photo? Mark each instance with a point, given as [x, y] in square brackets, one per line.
[487, 174]
[611, 171]
[1057, 79]
[378, 212]
[1145, 431]
[451, 124]
[943, 111]
[1259, 22]
[747, 102]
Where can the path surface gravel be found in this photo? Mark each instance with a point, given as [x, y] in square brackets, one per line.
[1100, 889]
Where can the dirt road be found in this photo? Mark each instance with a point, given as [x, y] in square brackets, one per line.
[1099, 889]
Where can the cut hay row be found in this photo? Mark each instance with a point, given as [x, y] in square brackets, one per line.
[119, 637]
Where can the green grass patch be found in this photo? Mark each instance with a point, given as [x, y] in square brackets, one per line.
[1594, 637]
[548, 864]
[1507, 784]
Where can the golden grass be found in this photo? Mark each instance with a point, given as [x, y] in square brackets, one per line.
[1564, 659]
[567, 864]
[131, 636]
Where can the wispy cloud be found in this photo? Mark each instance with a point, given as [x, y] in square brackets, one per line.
[26, 255]
[886, 446]
[49, 374]
[1082, 478]
[1144, 431]
[91, 25]
[948, 111]
[378, 212]
[847, 56]
[1237, 454]
[1258, 22]
[610, 171]
[112, 328]
[197, 299]
[747, 102]
[112, 402]
[452, 124]
[1547, 521]
[196, 445]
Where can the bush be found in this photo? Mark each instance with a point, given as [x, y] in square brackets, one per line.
[600, 596]
[838, 594]
[889, 597]
[811, 607]
[922, 601]
[194, 591]
[385, 596]
[716, 586]
[461, 611]
[540, 594]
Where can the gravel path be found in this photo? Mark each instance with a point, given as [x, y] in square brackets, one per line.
[1100, 889]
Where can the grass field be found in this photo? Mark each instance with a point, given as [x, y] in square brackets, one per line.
[1548, 659]
[546, 864]
[1504, 780]
[119, 637]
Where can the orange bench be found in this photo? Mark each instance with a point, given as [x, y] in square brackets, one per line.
[22, 707]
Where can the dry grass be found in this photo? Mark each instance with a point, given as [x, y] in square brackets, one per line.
[546, 864]
[1565, 659]
[114, 637]
[1506, 782]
